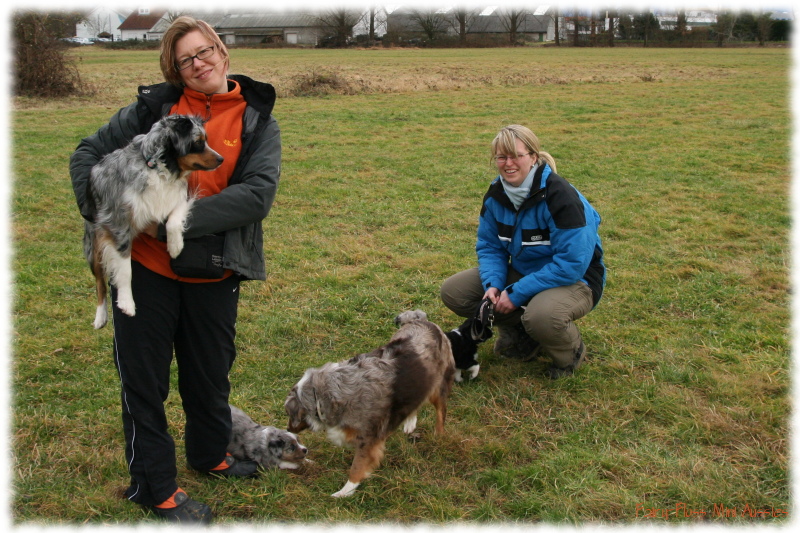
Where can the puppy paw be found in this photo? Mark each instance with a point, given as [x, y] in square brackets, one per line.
[286, 465]
[348, 489]
[473, 371]
[101, 316]
[174, 247]
[127, 306]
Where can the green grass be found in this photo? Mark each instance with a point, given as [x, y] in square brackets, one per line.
[684, 402]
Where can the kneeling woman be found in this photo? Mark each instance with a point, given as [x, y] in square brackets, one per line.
[540, 260]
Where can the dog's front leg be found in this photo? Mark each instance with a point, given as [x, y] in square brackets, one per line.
[368, 457]
[176, 223]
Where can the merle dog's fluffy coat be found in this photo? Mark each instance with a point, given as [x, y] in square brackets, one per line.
[359, 402]
[134, 187]
[267, 445]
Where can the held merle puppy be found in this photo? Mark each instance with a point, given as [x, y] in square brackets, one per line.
[135, 186]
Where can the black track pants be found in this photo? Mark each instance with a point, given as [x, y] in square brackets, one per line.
[198, 322]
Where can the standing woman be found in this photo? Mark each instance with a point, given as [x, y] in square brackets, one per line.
[540, 260]
[190, 314]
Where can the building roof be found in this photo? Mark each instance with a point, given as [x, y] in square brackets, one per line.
[242, 22]
[139, 21]
[266, 20]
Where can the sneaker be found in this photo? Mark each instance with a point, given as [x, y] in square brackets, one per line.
[514, 342]
[555, 372]
[185, 511]
[230, 467]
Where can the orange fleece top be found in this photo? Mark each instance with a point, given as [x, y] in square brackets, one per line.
[223, 114]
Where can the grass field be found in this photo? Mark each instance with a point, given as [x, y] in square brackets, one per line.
[682, 414]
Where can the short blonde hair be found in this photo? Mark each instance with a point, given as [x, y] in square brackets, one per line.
[177, 30]
[505, 143]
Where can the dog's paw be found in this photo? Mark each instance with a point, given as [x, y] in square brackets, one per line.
[410, 424]
[127, 306]
[348, 489]
[174, 247]
[286, 465]
[101, 316]
[473, 371]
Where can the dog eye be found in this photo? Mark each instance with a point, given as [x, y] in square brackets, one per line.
[198, 146]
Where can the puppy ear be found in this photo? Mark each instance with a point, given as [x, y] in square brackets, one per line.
[276, 443]
[153, 142]
[180, 133]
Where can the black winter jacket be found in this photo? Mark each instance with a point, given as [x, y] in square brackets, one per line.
[239, 208]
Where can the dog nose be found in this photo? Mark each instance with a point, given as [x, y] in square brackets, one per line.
[304, 450]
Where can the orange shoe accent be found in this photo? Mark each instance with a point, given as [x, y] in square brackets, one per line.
[223, 465]
[169, 503]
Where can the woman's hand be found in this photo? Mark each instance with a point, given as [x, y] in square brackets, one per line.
[504, 305]
[493, 294]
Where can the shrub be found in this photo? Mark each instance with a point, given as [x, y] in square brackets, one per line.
[318, 83]
[41, 68]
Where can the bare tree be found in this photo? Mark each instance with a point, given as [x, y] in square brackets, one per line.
[763, 28]
[556, 17]
[576, 27]
[338, 24]
[724, 27]
[681, 26]
[611, 16]
[461, 21]
[513, 20]
[431, 22]
[372, 11]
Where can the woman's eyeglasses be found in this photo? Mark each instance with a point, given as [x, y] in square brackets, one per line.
[503, 158]
[187, 62]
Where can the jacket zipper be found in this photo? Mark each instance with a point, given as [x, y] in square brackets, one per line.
[208, 108]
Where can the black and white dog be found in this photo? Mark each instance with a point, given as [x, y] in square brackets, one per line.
[267, 445]
[135, 186]
[465, 348]
[466, 338]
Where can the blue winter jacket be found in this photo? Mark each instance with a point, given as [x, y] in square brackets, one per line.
[551, 240]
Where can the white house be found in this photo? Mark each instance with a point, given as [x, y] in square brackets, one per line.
[139, 23]
[102, 20]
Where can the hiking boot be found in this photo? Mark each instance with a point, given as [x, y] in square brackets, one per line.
[555, 372]
[514, 342]
[186, 510]
[230, 467]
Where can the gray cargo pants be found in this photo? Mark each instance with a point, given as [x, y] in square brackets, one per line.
[548, 318]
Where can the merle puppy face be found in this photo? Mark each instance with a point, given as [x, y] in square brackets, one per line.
[286, 447]
[188, 138]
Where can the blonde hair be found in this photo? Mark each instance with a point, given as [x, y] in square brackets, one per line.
[177, 30]
[505, 143]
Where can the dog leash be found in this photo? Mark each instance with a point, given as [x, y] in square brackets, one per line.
[484, 321]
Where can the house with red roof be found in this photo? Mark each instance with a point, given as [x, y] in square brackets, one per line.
[139, 23]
